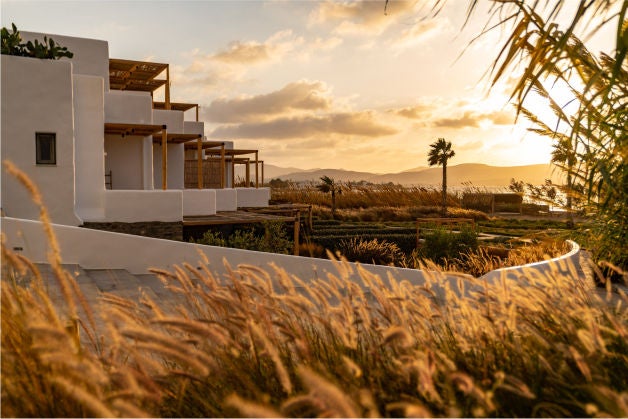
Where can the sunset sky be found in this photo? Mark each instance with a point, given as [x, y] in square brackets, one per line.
[317, 84]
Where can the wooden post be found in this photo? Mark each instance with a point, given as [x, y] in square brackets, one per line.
[196, 113]
[233, 171]
[247, 175]
[167, 98]
[199, 161]
[262, 172]
[297, 224]
[164, 158]
[309, 209]
[222, 166]
[256, 170]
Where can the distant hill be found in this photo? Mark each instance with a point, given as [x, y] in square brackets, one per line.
[270, 171]
[457, 175]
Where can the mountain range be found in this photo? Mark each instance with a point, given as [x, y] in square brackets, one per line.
[457, 175]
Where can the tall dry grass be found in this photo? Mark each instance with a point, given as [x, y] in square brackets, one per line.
[263, 343]
[358, 196]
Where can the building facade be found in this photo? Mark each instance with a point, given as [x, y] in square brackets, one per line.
[90, 135]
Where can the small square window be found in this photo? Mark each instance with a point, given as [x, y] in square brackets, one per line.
[46, 148]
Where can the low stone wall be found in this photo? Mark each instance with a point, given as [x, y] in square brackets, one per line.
[156, 229]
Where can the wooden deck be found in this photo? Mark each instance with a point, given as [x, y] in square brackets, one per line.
[234, 217]
[287, 213]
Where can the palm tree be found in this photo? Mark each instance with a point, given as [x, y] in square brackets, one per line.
[329, 185]
[439, 153]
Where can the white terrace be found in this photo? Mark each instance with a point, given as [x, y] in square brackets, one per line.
[88, 132]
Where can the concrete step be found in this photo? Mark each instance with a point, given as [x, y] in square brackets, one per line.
[166, 298]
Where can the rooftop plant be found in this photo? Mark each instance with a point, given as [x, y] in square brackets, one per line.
[48, 49]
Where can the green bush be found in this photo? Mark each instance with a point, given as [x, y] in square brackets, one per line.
[48, 49]
[271, 238]
[441, 244]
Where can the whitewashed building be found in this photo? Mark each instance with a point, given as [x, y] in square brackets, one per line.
[87, 131]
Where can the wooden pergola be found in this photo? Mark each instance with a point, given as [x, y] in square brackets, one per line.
[233, 153]
[139, 76]
[166, 139]
[205, 145]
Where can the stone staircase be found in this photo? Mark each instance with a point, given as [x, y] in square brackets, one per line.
[94, 283]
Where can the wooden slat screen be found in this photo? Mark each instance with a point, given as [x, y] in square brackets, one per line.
[211, 174]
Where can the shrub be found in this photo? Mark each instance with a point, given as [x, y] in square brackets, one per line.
[48, 49]
[440, 244]
[370, 251]
[313, 250]
[272, 238]
[212, 238]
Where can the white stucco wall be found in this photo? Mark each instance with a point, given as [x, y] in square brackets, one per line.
[133, 206]
[94, 249]
[125, 160]
[89, 147]
[563, 264]
[193, 127]
[91, 56]
[226, 199]
[252, 197]
[172, 119]
[126, 107]
[199, 202]
[147, 163]
[37, 97]
[176, 165]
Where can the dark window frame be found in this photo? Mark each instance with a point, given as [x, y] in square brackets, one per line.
[46, 141]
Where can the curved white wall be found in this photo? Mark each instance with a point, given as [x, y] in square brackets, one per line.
[563, 264]
[95, 249]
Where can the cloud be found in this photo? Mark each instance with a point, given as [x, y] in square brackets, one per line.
[413, 112]
[244, 53]
[297, 96]
[469, 146]
[471, 119]
[468, 119]
[254, 52]
[363, 124]
[503, 117]
[360, 17]
[420, 32]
